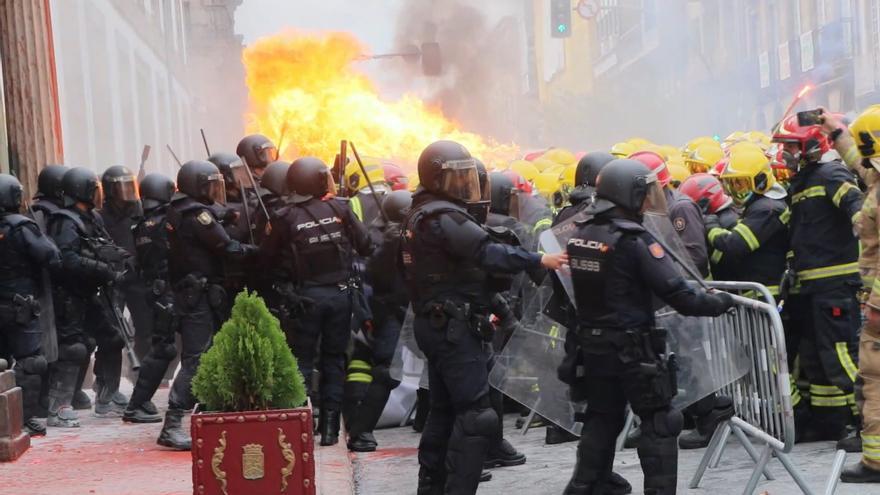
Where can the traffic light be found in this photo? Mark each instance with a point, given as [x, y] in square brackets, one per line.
[560, 18]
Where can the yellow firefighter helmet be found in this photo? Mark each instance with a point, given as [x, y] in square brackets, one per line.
[865, 131]
[704, 157]
[560, 156]
[524, 168]
[622, 149]
[747, 172]
[677, 169]
[354, 177]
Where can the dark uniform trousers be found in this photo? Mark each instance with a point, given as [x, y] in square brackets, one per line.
[329, 320]
[163, 348]
[458, 377]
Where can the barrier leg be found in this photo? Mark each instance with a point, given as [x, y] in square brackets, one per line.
[756, 474]
[530, 417]
[834, 477]
[627, 426]
[795, 475]
[722, 444]
[713, 446]
[747, 444]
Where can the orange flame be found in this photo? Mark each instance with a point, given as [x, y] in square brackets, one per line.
[806, 89]
[305, 88]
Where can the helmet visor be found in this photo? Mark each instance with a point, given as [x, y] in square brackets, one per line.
[655, 198]
[459, 180]
[696, 167]
[98, 195]
[216, 188]
[124, 188]
[738, 188]
[514, 209]
[240, 174]
[266, 154]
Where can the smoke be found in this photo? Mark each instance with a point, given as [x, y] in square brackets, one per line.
[482, 51]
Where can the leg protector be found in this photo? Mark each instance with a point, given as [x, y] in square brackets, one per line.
[109, 360]
[29, 373]
[658, 451]
[595, 452]
[471, 434]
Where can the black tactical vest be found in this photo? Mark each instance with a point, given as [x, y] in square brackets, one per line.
[321, 241]
[151, 244]
[591, 258]
[187, 255]
[17, 276]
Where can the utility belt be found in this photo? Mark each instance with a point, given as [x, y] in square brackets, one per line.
[647, 366]
[20, 309]
[459, 318]
[192, 288]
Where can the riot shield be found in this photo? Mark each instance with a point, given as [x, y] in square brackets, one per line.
[48, 339]
[409, 363]
[525, 370]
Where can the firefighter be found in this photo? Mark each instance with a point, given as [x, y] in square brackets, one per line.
[361, 201]
[717, 207]
[825, 202]
[865, 131]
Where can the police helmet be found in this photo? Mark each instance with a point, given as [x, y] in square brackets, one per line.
[232, 169]
[202, 181]
[275, 178]
[81, 185]
[446, 168]
[49, 182]
[156, 190]
[120, 184]
[308, 178]
[588, 167]
[629, 185]
[503, 192]
[10, 194]
[257, 150]
[395, 204]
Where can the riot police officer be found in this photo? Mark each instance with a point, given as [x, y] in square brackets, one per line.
[120, 212]
[588, 168]
[198, 245]
[388, 305]
[617, 268]
[236, 214]
[151, 243]
[258, 152]
[317, 238]
[24, 252]
[446, 255]
[79, 233]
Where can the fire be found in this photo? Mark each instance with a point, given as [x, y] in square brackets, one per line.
[305, 90]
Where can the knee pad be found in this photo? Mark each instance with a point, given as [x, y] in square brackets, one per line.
[482, 422]
[32, 365]
[166, 352]
[664, 423]
[75, 353]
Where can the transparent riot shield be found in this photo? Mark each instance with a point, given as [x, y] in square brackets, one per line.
[409, 363]
[525, 370]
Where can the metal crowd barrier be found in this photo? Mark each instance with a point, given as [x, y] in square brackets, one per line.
[762, 398]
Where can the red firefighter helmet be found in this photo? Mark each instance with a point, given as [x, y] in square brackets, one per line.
[395, 177]
[518, 181]
[812, 142]
[656, 163]
[706, 191]
[719, 167]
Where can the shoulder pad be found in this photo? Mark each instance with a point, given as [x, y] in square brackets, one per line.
[628, 225]
[15, 219]
[504, 235]
[69, 215]
[654, 247]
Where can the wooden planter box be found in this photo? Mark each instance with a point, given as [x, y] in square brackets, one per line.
[251, 453]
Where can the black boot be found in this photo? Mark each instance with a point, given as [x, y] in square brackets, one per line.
[503, 455]
[173, 434]
[632, 438]
[852, 443]
[555, 435]
[140, 415]
[860, 473]
[329, 426]
[363, 442]
[81, 400]
[62, 380]
[423, 405]
[615, 484]
[430, 483]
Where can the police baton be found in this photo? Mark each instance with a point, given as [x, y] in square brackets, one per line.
[205, 140]
[174, 155]
[256, 192]
[369, 183]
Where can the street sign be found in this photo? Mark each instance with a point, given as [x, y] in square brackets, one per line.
[588, 9]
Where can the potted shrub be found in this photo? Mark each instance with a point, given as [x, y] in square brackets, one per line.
[252, 429]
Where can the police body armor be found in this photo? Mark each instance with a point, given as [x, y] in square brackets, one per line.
[151, 245]
[591, 260]
[321, 242]
[431, 274]
[18, 286]
[187, 256]
[93, 238]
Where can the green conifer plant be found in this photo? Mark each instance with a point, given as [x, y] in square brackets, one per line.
[249, 366]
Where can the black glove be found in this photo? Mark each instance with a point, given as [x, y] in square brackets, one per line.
[722, 301]
[711, 222]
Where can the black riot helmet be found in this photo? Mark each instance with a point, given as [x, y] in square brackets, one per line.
[480, 209]
[232, 169]
[81, 185]
[275, 178]
[308, 178]
[156, 190]
[629, 185]
[395, 204]
[202, 181]
[447, 168]
[588, 167]
[49, 182]
[10, 194]
[257, 151]
[120, 185]
[503, 193]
